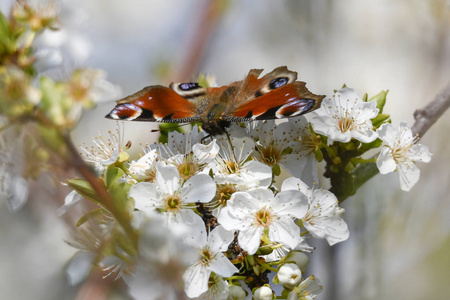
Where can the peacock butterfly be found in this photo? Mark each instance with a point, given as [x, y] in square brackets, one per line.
[273, 96]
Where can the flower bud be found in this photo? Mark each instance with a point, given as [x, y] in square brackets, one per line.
[263, 293]
[236, 292]
[289, 275]
[299, 258]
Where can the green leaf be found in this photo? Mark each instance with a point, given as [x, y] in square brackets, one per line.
[365, 147]
[165, 128]
[319, 155]
[276, 169]
[5, 33]
[275, 280]
[85, 189]
[119, 195]
[379, 120]
[53, 139]
[91, 214]
[380, 98]
[112, 175]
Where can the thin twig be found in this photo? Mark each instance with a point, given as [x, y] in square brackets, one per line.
[429, 114]
[78, 163]
[197, 44]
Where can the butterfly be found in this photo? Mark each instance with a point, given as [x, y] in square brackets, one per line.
[275, 95]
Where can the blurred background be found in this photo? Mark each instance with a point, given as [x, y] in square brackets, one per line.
[399, 245]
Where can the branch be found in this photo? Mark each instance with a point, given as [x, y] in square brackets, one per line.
[425, 118]
[209, 17]
[429, 114]
[78, 163]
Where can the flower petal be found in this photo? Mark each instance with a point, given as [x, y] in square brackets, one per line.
[285, 231]
[409, 175]
[196, 280]
[385, 162]
[250, 239]
[293, 183]
[290, 203]
[222, 266]
[219, 239]
[199, 188]
[167, 178]
[145, 195]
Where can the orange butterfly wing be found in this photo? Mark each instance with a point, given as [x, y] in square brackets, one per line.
[155, 104]
[290, 100]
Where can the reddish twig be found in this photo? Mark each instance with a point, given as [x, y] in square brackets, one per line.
[197, 44]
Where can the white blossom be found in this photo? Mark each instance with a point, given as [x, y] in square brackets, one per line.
[401, 153]
[287, 144]
[210, 259]
[175, 197]
[254, 211]
[234, 166]
[324, 217]
[186, 151]
[145, 167]
[105, 151]
[346, 117]
[307, 289]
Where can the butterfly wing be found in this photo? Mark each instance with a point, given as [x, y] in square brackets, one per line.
[157, 104]
[275, 95]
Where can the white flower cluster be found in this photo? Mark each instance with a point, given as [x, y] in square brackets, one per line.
[347, 117]
[221, 196]
[214, 215]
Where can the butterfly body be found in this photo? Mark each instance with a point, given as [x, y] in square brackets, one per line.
[275, 95]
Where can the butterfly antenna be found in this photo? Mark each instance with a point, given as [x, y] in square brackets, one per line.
[231, 144]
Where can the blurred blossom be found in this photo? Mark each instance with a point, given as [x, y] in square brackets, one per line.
[68, 46]
[89, 86]
[163, 258]
[69, 201]
[19, 96]
[37, 17]
[13, 184]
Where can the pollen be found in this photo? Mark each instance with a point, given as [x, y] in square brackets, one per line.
[264, 217]
[270, 154]
[346, 124]
[224, 193]
[172, 203]
[232, 166]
